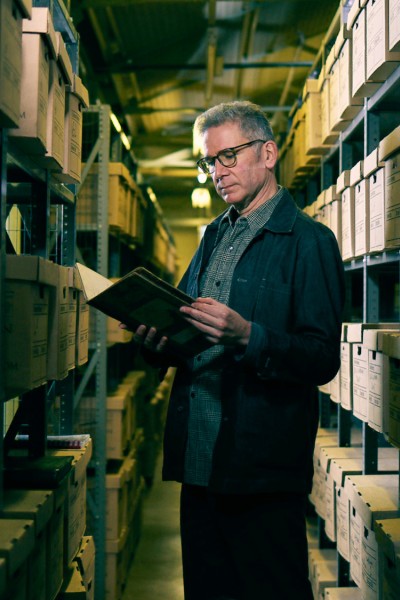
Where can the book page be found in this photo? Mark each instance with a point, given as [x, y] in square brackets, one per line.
[92, 283]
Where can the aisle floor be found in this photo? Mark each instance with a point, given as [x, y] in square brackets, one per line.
[156, 570]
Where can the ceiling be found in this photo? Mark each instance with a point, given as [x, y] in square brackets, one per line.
[158, 63]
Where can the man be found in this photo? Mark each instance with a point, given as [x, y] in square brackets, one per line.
[243, 415]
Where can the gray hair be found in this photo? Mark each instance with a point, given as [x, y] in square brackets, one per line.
[250, 118]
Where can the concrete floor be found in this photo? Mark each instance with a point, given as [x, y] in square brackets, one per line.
[156, 570]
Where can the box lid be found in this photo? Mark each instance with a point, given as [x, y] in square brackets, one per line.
[388, 462]
[343, 181]
[118, 401]
[387, 534]
[356, 173]
[42, 22]
[37, 505]
[372, 163]
[373, 338]
[86, 552]
[339, 452]
[389, 144]
[63, 59]
[353, 14]
[80, 458]
[391, 344]
[79, 90]
[375, 497]
[310, 87]
[355, 330]
[17, 540]
[31, 268]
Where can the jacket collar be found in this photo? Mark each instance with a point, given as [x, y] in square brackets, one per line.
[282, 219]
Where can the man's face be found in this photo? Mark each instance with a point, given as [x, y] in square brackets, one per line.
[251, 178]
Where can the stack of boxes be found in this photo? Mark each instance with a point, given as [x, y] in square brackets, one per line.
[128, 211]
[134, 422]
[46, 329]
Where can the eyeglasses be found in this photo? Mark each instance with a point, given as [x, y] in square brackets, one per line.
[226, 157]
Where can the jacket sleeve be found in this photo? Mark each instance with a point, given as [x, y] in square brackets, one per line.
[309, 351]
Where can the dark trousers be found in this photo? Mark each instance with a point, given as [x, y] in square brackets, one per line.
[241, 547]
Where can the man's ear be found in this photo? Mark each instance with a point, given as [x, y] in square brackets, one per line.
[271, 154]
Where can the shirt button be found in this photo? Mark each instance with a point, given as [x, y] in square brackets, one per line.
[217, 283]
[230, 248]
[192, 395]
[180, 408]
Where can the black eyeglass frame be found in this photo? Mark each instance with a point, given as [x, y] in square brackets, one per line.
[204, 162]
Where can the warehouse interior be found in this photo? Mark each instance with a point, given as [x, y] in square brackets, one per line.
[98, 177]
[159, 64]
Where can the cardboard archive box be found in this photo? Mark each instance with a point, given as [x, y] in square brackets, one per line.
[361, 210]
[82, 322]
[378, 379]
[337, 503]
[85, 559]
[381, 61]
[38, 506]
[73, 587]
[312, 118]
[119, 497]
[75, 506]
[391, 348]
[60, 75]
[87, 206]
[387, 533]
[76, 98]
[119, 409]
[348, 107]
[351, 343]
[10, 63]
[374, 173]
[17, 541]
[394, 25]
[372, 497]
[57, 357]
[392, 195]
[56, 541]
[39, 45]
[361, 85]
[72, 302]
[348, 225]
[343, 593]
[317, 556]
[29, 283]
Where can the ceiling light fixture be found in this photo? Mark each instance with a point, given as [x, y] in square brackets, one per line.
[201, 198]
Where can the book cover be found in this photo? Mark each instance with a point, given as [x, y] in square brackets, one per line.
[140, 297]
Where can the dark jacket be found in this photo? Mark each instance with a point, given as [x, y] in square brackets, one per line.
[289, 283]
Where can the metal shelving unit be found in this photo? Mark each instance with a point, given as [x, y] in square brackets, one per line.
[97, 365]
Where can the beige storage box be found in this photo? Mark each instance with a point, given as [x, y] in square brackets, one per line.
[10, 63]
[17, 541]
[39, 45]
[387, 533]
[29, 283]
[75, 508]
[38, 506]
[371, 497]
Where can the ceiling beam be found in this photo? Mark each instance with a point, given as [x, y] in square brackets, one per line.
[115, 3]
[127, 67]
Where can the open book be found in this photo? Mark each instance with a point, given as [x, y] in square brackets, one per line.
[142, 298]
